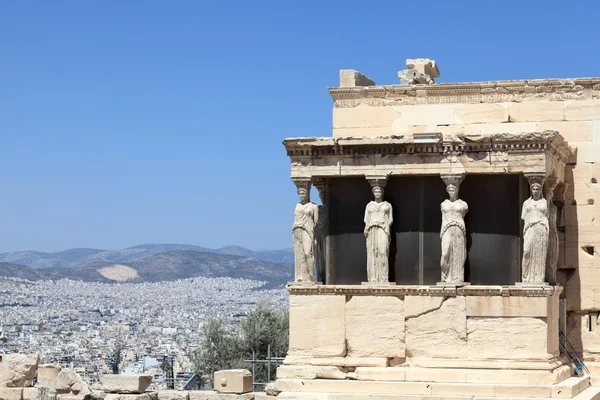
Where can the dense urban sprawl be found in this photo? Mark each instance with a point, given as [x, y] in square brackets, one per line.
[82, 325]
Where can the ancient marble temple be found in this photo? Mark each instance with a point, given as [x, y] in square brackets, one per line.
[442, 244]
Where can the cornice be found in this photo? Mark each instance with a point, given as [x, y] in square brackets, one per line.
[530, 142]
[421, 290]
[468, 92]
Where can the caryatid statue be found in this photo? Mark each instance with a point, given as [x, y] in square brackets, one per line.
[453, 233]
[552, 255]
[306, 215]
[321, 230]
[378, 220]
[535, 232]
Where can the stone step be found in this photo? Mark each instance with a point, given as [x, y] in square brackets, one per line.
[569, 388]
[592, 393]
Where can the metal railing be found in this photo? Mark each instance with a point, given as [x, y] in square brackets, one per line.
[567, 348]
[271, 360]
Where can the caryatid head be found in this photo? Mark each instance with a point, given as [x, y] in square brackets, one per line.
[378, 193]
[303, 195]
[536, 190]
[452, 191]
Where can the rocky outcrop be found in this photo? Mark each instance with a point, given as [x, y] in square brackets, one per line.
[18, 370]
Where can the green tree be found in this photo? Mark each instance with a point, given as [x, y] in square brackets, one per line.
[264, 325]
[219, 350]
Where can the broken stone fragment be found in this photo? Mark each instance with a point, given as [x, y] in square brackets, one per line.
[126, 383]
[236, 381]
[352, 78]
[424, 65]
[48, 371]
[18, 370]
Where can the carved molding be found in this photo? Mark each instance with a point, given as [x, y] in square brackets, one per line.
[453, 179]
[475, 92]
[409, 290]
[377, 180]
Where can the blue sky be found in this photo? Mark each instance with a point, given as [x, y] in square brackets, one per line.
[128, 122]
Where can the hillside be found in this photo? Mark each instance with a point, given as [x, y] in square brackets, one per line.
[80, 256]
[168, 266]
[18, 271]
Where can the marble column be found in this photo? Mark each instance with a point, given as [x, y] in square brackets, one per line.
[535, 232]
[321, 230]
[306, 215]
[552, 255]
[378, 221]
[453, 233]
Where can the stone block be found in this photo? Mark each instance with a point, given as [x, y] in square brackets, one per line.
[513, 338]
[481, 113]
[436, 375]
[131, 396]
[512, 127]
[173, 395]
[18, 370]
[572, 131]
[11, 393]
[460, 389]
[317, 326]
[436, 332]
[596, 130]
[362, 132]
[310, 372]
[31, 393]
[375, 326]
[522, 391]
[48, 371]
[570, 387]
[352, 78]
[337, 361]
[580, 110]
[126, 383]
[430, 114]
[536, 111]
[587, 151]
[397, 374]
[352, 387]
[500, 306]
[364, 116]
[235, 381]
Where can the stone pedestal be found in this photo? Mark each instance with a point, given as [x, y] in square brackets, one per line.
[495, 335]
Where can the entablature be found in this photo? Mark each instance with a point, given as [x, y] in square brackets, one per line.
[432, 153]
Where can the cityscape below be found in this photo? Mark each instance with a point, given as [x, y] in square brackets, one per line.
[111, 303]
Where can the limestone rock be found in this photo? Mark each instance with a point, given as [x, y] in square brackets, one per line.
[440, 333]
[236, 381]
[173, 395]
[351, 78]
[212, 395]
[270, 389]
[65, 379]
[142, 396]
[424, 66]
[375, 326]
[126, 383]
[18, 370]
[11, 393]
[31, 393]
[48, 371]
[310, 372]
[317, 326]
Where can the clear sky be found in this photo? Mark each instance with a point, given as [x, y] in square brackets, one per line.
[128, 122]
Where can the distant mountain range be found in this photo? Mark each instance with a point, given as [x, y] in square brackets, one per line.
[150, 263]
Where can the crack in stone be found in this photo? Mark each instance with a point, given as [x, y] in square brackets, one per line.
[428, 311]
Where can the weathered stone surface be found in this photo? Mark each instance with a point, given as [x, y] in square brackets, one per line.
[18, 370]
[337, 361]
[572, 131]
[48, 371]
[30, 393]
[12, 393]
[481, 113]
[173, 395]
[310, 372]
[352, 78]
[396, 374]
[536, 111]
[375, 326]
[139, 396]
[576, 110]
[270, 389]
[233, 381]
[317, 326]
[126, 383]
[213, 395]
[424, 66]
[440, 332]
[506, 306]
[507, 338]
